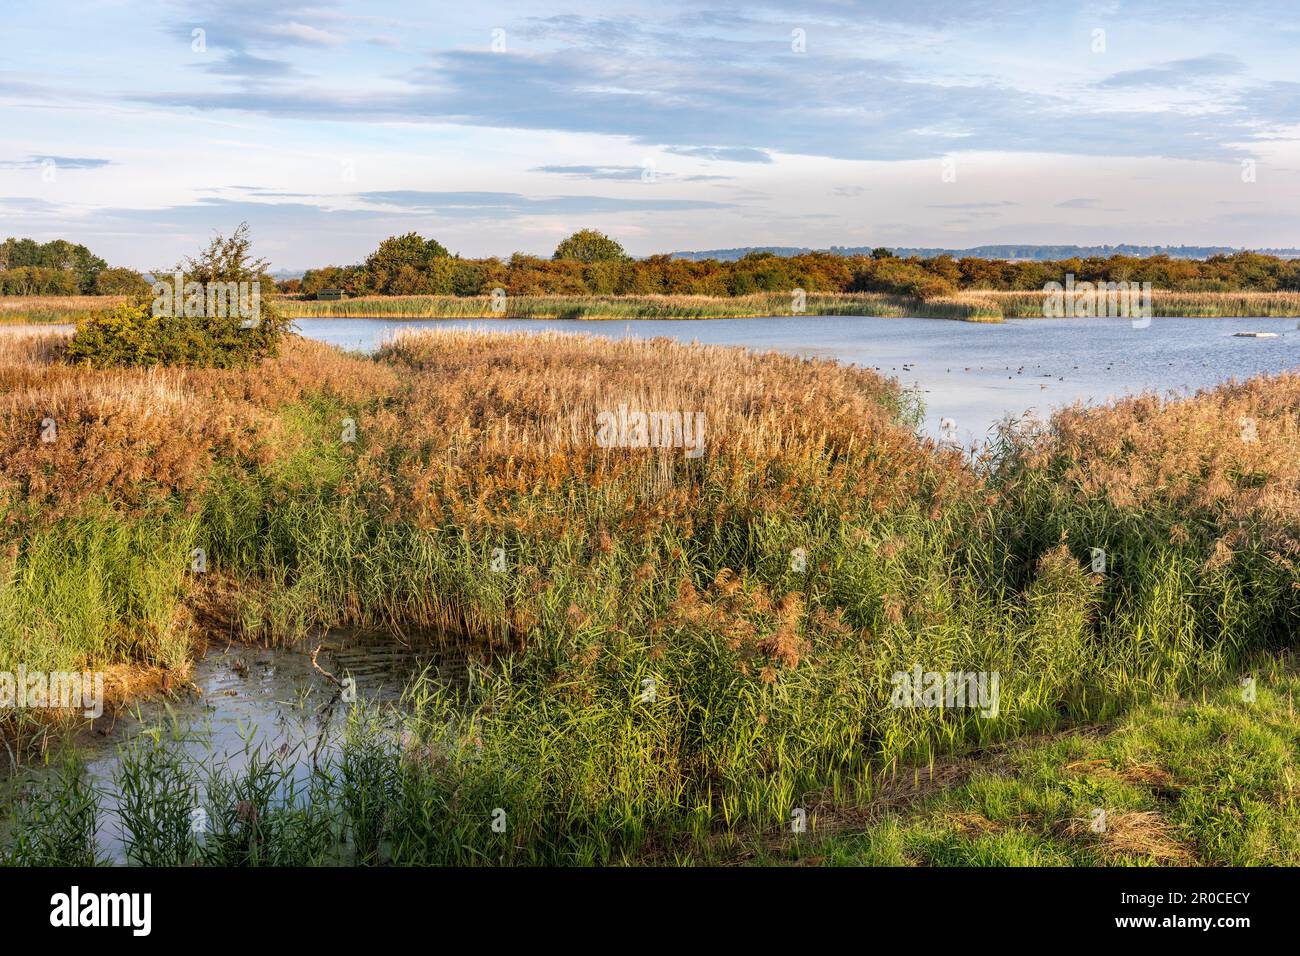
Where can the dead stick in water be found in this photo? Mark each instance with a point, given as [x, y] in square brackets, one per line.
[329, 704]
[337, 683]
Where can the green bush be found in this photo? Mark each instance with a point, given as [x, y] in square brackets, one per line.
[208, 313]
[131, 334]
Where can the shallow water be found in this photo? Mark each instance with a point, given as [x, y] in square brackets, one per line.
[245, 698]
[974, 373]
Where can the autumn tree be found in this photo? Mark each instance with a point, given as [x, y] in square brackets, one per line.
[396, 266]
[118, 281]
[588, 245]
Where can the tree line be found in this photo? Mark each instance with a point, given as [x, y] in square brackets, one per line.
[28, 267]
[590, 263]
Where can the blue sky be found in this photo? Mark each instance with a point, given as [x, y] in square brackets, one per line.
[140, 127]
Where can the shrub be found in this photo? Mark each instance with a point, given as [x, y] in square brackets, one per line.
[118, 281]
[131, 334]
[210, 315]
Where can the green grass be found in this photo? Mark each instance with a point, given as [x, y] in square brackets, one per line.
[971, 305]
[96, 589]
[587, 773]
[1212, 780]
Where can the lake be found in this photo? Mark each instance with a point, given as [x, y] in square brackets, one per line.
[973, 373]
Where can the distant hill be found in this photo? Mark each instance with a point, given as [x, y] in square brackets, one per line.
[731, 255]
[994, 252]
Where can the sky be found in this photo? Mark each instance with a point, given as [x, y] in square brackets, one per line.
[140, 128]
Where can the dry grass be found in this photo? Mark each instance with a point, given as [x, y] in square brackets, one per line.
[43, 309]
[1138, 774]
[491, 420]
[1229, 456]
[142, 435]
[1143, 834]
[1164, 303]
[496, 398]
[481, 417]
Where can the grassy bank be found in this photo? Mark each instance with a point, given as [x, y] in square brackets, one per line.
[53, 309]
[18, 310]
[1164, 304]
[971, 306]
[767, 590]
[640, 307]
[978, 305]
[1211, 780]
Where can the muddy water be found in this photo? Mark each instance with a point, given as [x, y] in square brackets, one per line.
[245, 699]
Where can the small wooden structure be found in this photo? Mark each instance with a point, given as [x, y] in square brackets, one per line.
[330, 295]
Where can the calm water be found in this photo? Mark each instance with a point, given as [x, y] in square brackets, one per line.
[973, 373]
[245, 699]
